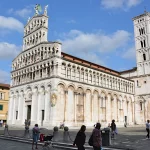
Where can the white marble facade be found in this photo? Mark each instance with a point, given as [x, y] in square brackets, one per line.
[50, 87]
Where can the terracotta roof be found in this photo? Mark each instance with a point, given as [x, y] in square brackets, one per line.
[4, 85]
[130, 70]
[89, 64]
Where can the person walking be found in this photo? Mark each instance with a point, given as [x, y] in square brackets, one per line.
[29, 122]
[97, 139]
[113, 129]
[80, 138]
[35, 135]
[147, 129]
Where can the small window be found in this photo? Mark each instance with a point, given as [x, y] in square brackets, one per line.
[141, 105]
[1, 107]
[140, 31]
[144, 81]
[144, 43]
[144, 56]
[137, 83]
[141, 44]
[16, 115]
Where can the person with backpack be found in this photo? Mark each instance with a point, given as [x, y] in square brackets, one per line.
[113, 129]
[80, 138]
[35, 134]
[96, 137]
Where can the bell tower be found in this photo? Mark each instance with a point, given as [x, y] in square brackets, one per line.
[36, 30]
[142, 42]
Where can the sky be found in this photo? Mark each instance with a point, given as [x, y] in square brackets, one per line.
[100, 31]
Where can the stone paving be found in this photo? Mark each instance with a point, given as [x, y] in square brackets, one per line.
[129, 138]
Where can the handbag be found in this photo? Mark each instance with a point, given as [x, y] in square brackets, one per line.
[91, 140]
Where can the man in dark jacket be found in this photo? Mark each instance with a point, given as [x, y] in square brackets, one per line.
[113, 129]
[80, 138]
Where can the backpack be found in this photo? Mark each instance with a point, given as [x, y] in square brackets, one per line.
[35, 131]
[91, 140]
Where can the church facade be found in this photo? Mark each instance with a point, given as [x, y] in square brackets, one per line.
[49, 86]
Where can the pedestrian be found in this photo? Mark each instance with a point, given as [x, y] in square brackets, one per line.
[25, 122]
[29, 122]
[97, 139]
[113, 129]
[80, 138]
[1, 123]
[35, 135]
[147, 129]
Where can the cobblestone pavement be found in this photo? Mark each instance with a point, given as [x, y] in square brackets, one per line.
[11, 145]
[129, 138]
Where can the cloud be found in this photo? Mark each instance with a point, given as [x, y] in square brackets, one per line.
[23, 13]
[130, 53]
[71, 21]
[8, 51]
[93, 46]
[77, 41]
[123, 4]
[11, 24]
[4, 77]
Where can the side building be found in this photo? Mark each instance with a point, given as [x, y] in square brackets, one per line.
[49, 86]
[4, 99]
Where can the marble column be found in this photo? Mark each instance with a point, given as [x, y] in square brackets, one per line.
[99, 118]
[65, 106]
[34, 107]
[107, 98]
[109, 109]
[92, 110]
[10, 111]
[118, 110]
[75, 107]
[40, 106]
[20, 106]
[85, 105]
[47, 107]
[133, 110]
[24, 116]
[14, 111]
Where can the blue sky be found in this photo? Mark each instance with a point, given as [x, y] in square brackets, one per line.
[100, 31]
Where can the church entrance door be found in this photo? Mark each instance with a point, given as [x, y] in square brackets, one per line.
[28, 112]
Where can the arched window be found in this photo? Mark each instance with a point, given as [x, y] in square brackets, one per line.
[137, 83]
[144, 57]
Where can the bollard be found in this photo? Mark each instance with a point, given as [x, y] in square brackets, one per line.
[55, 134]
[6, 130]
[56, 137]
[66, 136]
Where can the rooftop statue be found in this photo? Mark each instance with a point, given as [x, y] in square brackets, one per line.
[37, 9]
[45, 10]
